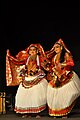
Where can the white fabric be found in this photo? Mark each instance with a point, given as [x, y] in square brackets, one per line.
[32, 97]
[30, 78]
[40, 75]
[60, 98]
[38, 62]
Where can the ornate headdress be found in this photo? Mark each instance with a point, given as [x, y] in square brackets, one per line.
[60, 41]
[39, 48]
[24, 53]
[51, 52]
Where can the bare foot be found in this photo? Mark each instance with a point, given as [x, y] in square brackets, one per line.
[54, 117]
[24, 116]
[38, 116]
[64, 117]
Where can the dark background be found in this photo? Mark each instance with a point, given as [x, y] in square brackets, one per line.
[25, 23]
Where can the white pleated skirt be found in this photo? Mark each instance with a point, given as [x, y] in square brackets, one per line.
[60, 99]
[31, 100]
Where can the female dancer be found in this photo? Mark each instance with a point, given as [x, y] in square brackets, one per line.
[31, 94]
[64, 84]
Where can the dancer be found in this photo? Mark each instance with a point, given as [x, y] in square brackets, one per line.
[31, 94]
[64, 84]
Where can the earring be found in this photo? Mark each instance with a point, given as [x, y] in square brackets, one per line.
[37, 51]
[61, 47]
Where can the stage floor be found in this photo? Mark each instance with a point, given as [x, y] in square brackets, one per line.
[11, 115]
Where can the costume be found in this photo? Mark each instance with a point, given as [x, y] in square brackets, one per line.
[27, 72]
[64, 84]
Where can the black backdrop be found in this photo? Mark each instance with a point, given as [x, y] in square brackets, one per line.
[22, 24]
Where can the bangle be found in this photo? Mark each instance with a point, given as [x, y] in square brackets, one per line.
[63, 64]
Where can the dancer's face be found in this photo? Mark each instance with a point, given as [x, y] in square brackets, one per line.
[32, 51]
[57, 48]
